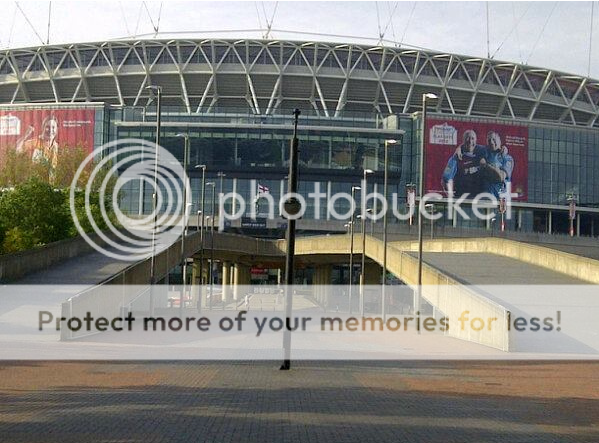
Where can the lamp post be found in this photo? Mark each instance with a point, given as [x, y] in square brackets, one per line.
[363, 217]
[184, 219]
[349, 233]
[421, 195]
[572, 212]
[432, 208]
[199, 302]
[385, 182]
[201, 227]
[362, 280]
[221, 176]
[157, 90]
[292, 204]
[502, 209]
[209, 272]
[411, 200]
[351, 245]
[210, 269]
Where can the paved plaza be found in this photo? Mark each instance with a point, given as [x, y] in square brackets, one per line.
[315, 401]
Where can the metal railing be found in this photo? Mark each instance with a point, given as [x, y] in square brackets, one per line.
[114, 296]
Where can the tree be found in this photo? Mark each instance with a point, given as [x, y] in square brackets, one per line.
[2, 237]
[34, 214]
[17, 167]
[94, 202]
[69, 159]
[95, 209]
[34, 201]
[17, 240]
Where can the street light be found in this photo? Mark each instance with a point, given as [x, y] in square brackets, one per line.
[351, 242]
[289, 254]
[502, 209]
[157, 90]
[385, 181]
[221, 176]
[201, 225]
[410, 199]
[362, 280]
[350, 231]
[209, 282]
[572, 212]
[363, 217]
[432, 208]
[184, 217]
[210, 270]
[425, 97]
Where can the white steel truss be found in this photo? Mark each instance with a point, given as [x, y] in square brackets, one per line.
[267, 76]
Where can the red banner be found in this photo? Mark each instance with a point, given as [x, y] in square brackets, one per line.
[473, 157]
[43, 133]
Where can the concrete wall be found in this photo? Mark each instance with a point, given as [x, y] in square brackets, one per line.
[585, 269]
[20, 264]
[104, 300]
[441, 291]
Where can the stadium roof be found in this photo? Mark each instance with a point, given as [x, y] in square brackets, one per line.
[203, 75]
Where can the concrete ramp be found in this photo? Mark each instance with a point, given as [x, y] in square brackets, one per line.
[561, 265]
[480, 268]
[450, 267]
[454, 270]
[442, 291]
[530, 281]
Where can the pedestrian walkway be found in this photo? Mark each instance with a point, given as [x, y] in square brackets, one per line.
[88, 269]
[314, 402]
[269, 302]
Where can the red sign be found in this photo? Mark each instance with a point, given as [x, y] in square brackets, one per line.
[473, 158]
[44, 133]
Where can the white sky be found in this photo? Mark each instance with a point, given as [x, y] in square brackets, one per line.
[458, 27]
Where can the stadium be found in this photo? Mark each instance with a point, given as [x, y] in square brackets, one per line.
[235, 99]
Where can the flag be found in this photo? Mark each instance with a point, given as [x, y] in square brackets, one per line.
[262, 189]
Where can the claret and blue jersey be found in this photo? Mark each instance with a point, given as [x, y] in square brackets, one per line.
[465, 172]
[503, 162]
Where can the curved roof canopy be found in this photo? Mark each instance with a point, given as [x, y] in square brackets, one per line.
[265, 76]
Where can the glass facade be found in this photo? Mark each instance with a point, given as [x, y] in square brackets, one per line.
[562, 160]
[331, 160]
[263, 151]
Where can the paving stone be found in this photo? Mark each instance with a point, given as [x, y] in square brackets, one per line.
[315, 401]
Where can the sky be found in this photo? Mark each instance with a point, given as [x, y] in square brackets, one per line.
[545, 34]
